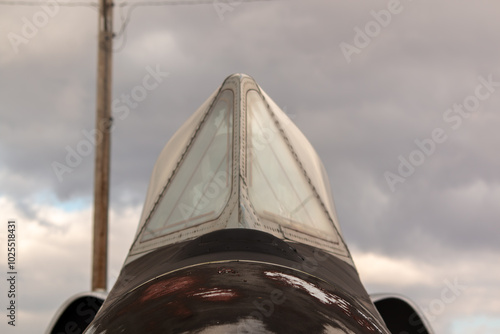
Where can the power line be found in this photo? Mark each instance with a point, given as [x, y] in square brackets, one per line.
[180, 2]
[42, 3]
[125, 3]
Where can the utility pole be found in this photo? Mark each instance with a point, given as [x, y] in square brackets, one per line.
[103, 143]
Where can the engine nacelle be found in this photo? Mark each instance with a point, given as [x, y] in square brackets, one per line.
[401, 315]
[76, 313]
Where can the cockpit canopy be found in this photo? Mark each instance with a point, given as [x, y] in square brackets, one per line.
[239, 162]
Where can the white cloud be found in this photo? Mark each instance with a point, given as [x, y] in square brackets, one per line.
[376, 269]
[474, 278]
[54, 261]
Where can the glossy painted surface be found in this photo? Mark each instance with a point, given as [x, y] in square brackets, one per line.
[238, 281]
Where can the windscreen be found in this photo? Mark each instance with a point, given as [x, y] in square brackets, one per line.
[201, 185]
[278, 187]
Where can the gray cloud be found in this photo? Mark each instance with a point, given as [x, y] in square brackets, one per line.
[360, 116]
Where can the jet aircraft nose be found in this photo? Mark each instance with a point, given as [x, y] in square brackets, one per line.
[238, 233]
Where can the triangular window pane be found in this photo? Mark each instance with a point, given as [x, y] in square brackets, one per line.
[201, 186]
[278, 187]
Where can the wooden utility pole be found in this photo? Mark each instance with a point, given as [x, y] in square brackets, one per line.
[103, 143]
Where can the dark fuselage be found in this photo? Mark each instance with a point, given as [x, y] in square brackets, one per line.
[238, 281]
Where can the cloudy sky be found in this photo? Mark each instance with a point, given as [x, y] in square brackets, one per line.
[401, 99]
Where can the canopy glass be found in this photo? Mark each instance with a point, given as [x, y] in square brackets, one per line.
[277, 185]
[201, 185]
